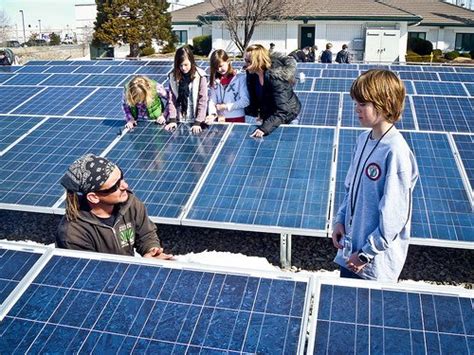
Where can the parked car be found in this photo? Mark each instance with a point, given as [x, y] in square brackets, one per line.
[67, 41]
[11, 44]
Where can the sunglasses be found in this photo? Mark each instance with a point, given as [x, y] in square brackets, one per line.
[114, 187]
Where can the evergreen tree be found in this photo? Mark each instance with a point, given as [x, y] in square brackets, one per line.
[132, 22]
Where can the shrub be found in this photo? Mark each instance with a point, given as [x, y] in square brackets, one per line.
[169, 47]
[472, 54]
[437, 52]
[148, 50]
[465, 55]
[420, 46]
[451, 55]
[413, 57]
[54, 39]
[202, 45]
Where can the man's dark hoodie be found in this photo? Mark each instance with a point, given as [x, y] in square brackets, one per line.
[278, 104]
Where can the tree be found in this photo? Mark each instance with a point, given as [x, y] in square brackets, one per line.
[132, 22]
[241, 17]
[4, 27]
[54, 39]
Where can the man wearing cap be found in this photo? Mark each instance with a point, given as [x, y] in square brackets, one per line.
[102, 215]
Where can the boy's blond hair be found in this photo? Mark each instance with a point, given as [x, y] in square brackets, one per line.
[384, 89]
[259, 58]
[139, 90]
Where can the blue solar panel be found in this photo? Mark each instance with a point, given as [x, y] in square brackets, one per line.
[441, 207]
[464, 69]
[279, 181]
[9, 68]
[470, 88]
[32, 69]
[462, 77]
[60, 62]
[446, 114]
[465, 145]
[169, 62]
[135, 62]
[103, 80]
[105, 102]
[406, 68]
[154, 70]
[409, 87]
[361, 320]
[54, 101]
[311, 65]
[333, 85]
[438, 69]
[318, 108]
[162, 168]
[365, 67]
[14, 264]
[63, 79]
[13, 127]
[91, 306]
[27, 79]
[122, 69]
[305, 85]
[418, 75]
[31, 170]
[439, 88]
[91, 69]
[5, 77]
[309, 72]
[11, 97]
[61, 69]
[37, 62]
[339, 73]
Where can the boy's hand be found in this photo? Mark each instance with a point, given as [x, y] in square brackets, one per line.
[220, 118]
[210, 119]
[157, 253]
[257, 133]
[221, 107]
[196, 129]
[170, 127]
[337, 233]
[131, 124]
[354, 264]
[161, 120]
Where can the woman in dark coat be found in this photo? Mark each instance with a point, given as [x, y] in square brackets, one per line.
[270, 81]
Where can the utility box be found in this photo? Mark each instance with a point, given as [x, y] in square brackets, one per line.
[101, 51]
[382, 45]
[358, 44]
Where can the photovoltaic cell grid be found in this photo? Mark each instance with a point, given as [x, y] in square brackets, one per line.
[438, 88]
[154, 70]
[104, 103]
[122, 69]
[465, 146]
[63, 80]
[339, 73]
[281, 181]
[90, 69]
[27, 79]
[350, 118]
[309, 72]
[162, 168]
[54, 101]
[462, 77]
[305, 85]
[318, 108]
[413, 75]
[438, 69]
[14, 265]
[31, 170]
[441, 207]
[446, 114]
[470, 88]
[32, 69]
[464, 69]
[333, 85]
[360, 320]
[103, 306]
[5, 77]
[8, 101]
[13, 127]
[103, 80]
[61, 69]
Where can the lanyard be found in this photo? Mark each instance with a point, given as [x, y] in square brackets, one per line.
[356, 193]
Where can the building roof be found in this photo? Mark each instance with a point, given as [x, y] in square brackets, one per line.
[189, 14]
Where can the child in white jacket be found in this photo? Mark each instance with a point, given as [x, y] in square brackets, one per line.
[228, 91]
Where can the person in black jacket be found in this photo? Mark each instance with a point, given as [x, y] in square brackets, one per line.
[326, 56]
[342, 56]
[270, 83]
[4, 60]
[301, 55]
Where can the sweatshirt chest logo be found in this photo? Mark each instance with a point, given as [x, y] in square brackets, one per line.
[373, 171]
[126, 234]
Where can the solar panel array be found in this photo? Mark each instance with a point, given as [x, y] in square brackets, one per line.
[201, 180]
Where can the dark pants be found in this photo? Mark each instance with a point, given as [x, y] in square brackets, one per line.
[348, 274]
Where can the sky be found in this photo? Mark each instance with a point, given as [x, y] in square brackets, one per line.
[54, 14]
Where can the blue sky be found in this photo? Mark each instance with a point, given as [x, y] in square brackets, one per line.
[53, 14]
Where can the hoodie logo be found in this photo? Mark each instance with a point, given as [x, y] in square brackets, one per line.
[373, 171]
[126, 235]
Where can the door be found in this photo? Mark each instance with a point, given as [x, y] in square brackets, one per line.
[372, 45]
[307, 36]
[389, 46]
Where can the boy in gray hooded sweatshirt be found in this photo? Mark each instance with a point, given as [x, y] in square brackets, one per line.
[375, 216]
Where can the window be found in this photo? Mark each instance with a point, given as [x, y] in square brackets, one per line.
[421, 35]
[464, 42]
[182, 36]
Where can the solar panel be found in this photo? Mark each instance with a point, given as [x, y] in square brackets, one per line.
[86, 305]
[5, 77]
[32, 69]
[154, 70]
[103, 80]
[64, 79]
[280, 181]
[333, 85]
[61, 69]
[409, 87]
[13, 127]
[406, 68]
[318, 108]
[446, 114]
[305, 85]
[37, 62]
[163, 168]
[54, 101]
[363, 318]
[27, 79]
[122, 69]
[8, 101]
[365, 67]
[438, 69]
[310, 65]
[464, 69]
[14, 265]
[166, 62]
[470, 88]
[31, 170]
[350, 118]
[465, 146]
[9, 68]
[135, 62]
[105, 102]
[60, 62]
[91, 69]
[339, 73]
[309, 72]
[439, 88]
[418, 75]
[462, 77]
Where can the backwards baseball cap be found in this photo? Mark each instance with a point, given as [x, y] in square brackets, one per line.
[87, 174]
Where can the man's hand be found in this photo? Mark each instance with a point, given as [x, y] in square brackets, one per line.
[337, 233]
[170, 127]
[354, 264]
[221, 107]
[196, 129]
[257, 133]
[210, 119]
[131, 124]
[157, 253]
[220, 118]
[161, 120]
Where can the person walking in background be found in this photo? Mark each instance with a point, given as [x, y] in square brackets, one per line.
[372, 226]
[102, 214]
[228, 90]
[188, 92]
[326, 56]
[300, 55]
[312, 56]
[343, 55]
[272, 47]
[270, 83]
[142, 99]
